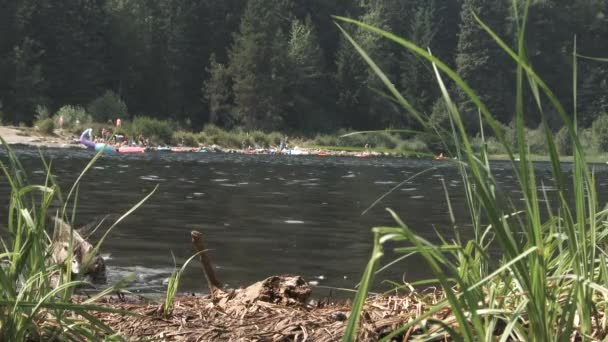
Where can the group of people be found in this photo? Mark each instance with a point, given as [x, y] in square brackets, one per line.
[107, 136]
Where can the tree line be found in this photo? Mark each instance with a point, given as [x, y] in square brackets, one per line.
[283, 64]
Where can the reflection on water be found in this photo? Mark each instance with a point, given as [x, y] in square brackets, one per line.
[260, 215]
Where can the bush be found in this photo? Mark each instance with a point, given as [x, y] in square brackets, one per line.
[536, 140]
[492, 145]
[158, 131]
[326, 140]
[563, 142]
[45, 126]
[107, 107]
[274, 138]
[260, 138]
[185, 139]
[211, 130]
[599, 130]
[42, 112]
[73, 117]
[413, 145]
[377, 139]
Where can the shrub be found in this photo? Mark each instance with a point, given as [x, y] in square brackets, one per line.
[599, 130]
[274, 138]
[259, 138]
[45, 126]
[73, 116]
[107, 107]
[413, 145]
[536, 141]
[42, 112]
[563, 142]
[158, 131]
[185, 139]
[326, 140]
[211, 130]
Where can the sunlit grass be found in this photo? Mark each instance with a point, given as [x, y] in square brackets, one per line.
[36, 294]
[549, 284]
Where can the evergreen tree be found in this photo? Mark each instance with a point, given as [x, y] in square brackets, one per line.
[258, 64]
[218, 94]
[308, 100]
[482, 63]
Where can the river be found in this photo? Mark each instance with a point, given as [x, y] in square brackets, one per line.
[260, 215]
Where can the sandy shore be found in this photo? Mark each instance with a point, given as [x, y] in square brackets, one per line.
[27, 136]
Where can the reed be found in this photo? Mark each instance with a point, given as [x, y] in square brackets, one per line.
[550, 282]
[32, 306]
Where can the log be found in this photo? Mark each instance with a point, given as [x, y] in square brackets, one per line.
[212, 281]
[84, 260]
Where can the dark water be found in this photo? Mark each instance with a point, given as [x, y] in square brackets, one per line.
[260, 215]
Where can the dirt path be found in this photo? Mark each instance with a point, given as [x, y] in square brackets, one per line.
[26, 136]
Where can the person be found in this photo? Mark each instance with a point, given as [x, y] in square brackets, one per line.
[118, 122]
[61, 121]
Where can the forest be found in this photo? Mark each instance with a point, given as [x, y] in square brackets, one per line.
[283, 64]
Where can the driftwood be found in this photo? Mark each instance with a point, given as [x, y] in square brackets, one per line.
[85, 262]
[285, 289]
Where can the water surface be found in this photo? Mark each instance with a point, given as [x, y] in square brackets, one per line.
[260, 215]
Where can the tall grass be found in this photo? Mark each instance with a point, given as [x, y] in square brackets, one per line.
[36, 293]
[550, 282]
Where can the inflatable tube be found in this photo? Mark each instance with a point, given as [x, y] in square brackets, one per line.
[85, 139]
[104, 147]
[131, 149]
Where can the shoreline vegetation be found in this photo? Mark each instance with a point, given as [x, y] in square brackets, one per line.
[214, 139]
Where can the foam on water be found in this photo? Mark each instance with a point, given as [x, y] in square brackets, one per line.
[294, 222]
[152, 178]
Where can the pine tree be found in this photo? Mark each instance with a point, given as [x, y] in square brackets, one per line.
[218, 94]
[482, 63]
[258, 64]
[362, 106]
[308, 101]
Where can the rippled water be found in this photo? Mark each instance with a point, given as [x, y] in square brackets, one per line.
[260, 215]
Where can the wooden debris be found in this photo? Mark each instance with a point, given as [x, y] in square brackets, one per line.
[84, 260]
[200, 319]
[212, 281]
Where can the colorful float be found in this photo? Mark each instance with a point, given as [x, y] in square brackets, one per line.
[85, 139]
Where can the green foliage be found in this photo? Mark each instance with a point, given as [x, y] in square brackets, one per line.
[600, 133]
[517, 291]
[326, 140]
[45, 126]
[108, 107]
[563, 142]
[158, 131]
[280, 64]
[536, 141]
[42, 112]
[32, 307]
[173, 284]
[185, 139]
[413, 145]
[73, 117]
[217, 92]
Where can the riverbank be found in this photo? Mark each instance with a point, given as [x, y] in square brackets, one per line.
[65, 139]
[202, 319]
